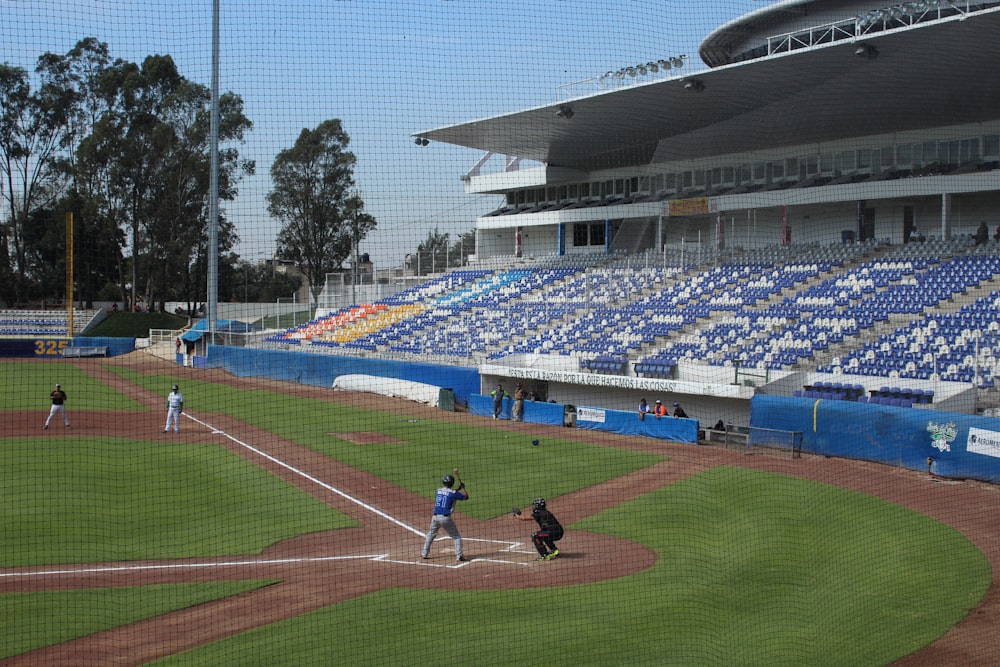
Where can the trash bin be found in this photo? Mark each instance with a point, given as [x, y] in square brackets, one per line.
[446, 399]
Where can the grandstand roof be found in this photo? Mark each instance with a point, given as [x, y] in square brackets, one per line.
[924, 75]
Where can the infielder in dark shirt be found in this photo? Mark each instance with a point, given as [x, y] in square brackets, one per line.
[58, 397]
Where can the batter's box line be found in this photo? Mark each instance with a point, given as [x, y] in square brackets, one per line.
[512, 547]
[453, 566]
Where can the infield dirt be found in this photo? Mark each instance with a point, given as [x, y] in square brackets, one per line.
[362, 560]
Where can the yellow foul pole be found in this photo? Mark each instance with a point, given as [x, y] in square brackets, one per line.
[69, 272]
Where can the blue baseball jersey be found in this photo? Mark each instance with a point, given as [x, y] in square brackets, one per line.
[444, 501]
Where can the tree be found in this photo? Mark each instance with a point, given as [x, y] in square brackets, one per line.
[145, 167]
[88, 79]
[245, 282]
[434, 253]
[463, 247]
[125, 148]
[321, 218]
[34, 130]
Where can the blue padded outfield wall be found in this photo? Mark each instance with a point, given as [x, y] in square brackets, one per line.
[535, 412]
[50, 348]
[594, 419]
[961, 446]
[628, 423]
[321, 369]
[116, 346]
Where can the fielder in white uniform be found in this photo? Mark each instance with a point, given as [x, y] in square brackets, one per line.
[175, 407]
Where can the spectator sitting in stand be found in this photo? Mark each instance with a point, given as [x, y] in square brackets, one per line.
[982, 233]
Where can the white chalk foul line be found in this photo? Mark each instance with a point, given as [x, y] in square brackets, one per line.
[186, 566]
[511, 546]
[305, 475]
[112, 569]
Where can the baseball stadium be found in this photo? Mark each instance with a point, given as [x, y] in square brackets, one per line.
[572, 333]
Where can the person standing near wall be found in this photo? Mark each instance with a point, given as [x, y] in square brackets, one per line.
[498, 395]
[519, 394]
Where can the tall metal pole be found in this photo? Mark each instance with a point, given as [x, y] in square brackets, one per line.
[213, 183]
[70, 295]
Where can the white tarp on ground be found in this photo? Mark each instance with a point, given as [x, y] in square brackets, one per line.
[415, 391]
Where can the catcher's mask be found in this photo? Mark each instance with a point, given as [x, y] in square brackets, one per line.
[448, 480]
[538, 503]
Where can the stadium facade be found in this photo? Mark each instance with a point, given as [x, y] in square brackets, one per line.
[816, 123]
[810, 121]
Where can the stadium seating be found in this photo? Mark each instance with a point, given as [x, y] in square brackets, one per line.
[776, 308]
[14, 322]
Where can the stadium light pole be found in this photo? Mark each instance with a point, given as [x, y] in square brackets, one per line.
[213, 181]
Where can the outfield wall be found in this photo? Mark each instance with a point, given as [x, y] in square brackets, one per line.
[535, 412]
[51, 347]
[961, 446]
[594, 419]
[628, 423]
[321, 370]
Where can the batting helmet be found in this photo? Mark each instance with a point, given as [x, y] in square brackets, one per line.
[538, 503]
[448, 480]
[174, 387]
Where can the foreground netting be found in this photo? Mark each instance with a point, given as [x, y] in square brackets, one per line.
[502, 188]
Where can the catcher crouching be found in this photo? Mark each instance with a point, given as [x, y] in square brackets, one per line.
[549, 529]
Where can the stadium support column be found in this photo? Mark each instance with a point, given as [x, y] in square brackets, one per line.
[562, 238]
[212, 287]
[660, 247]
[70, 296]
[945, 215]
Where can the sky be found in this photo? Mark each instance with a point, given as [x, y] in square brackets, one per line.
[386, 68]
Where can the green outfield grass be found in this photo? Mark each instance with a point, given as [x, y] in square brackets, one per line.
[27, 385]
[85, 499]
[126, 324]
[84, 612]
[501, 468]
[753, 568]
